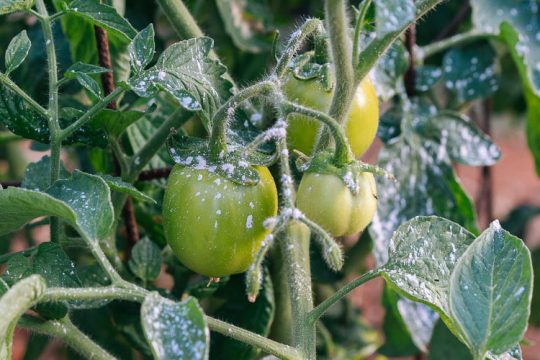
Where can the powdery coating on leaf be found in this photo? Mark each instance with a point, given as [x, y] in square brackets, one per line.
[422, 256]
[391, 15]
[524, 17]
[90, 198]
[420, 320]
[175, 330]
[490, 291]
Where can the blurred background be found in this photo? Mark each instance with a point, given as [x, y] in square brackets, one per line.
[509, 190]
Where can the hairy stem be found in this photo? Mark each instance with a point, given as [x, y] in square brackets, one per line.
[457, 40]
[358, 29]
[145, 154]
[269, 346]
[67, 332]
[91, 112]
[311, 26]
[113, 292]
[218, 140]
[316, 313]
[378, 46]
[294, 246]
[343, 154]
[340, 44]
[4, 79]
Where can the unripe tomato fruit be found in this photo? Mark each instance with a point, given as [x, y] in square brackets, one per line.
[213, 225]
[325, 199]
[360, 127]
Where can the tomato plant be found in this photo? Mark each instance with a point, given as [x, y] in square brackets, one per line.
[179, 181]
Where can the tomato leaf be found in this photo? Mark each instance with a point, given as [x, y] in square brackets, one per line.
[248, 23]
[51, 262]
[523, 16]
[115, 122]
[175, 330]
[426, 77]
[490, 291]
[471, 72]
[445, 346]
[102, 15]
[17, 51]
[142, 49]
[37, 174]
[9, 6]
[117, 184]
[145, 261]
[481, 287]
[90, 198]
[464, 141]
[186, 72]
[392, 15]
[389, 70]
[419, 319]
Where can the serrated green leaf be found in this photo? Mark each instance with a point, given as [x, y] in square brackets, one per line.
[392, 15]
[17, 51]
[490, 292]
[37, 174]
[186, 72]
[90, 198]
[248, 23]
[115, 122]
[117, 184]
[102, 15]
[175, 330]
[145, 260]
[90, 84]
[9, 6]
[472, 71]
[142, 49]
[89, 69]
[13, 304]
[523, 17]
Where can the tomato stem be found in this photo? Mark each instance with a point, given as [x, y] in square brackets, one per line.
[343, 154]
[316, 313]
[364, 7]
[218, 136]
[297, 39]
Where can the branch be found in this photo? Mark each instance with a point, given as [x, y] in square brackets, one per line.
[316, 313]
[4, 79]
[153, 174]
[112, 292]
[68, 333]
[269, 346]
[410, 75]
[457, 40]
[456, 20]
[340, 44]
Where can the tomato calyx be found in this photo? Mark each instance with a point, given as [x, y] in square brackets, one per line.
[306, 67]
[234, 164]
[321, 163]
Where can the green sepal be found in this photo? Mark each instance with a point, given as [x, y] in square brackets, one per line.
[234, 165]
[322, 163]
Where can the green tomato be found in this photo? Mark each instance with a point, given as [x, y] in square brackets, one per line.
[213, 225]
[326, 200]
[360, 127]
